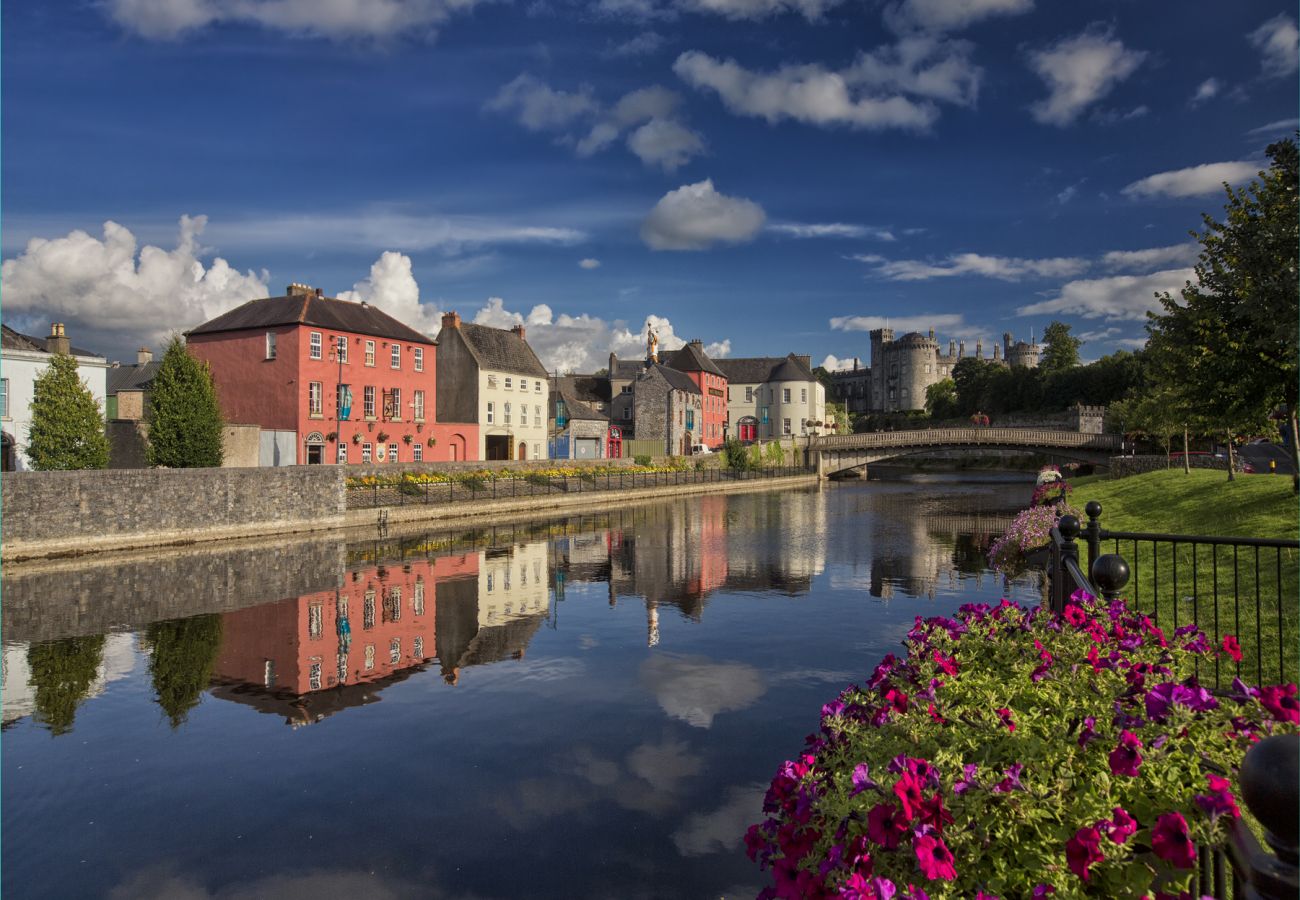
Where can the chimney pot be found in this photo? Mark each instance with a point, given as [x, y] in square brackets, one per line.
[451, 319]
[58, 340]
[143, 355]
[519, 330]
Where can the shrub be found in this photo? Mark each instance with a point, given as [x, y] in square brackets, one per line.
[735, 455]
[67, 430]
[410, 488]
[642, 459]
[474, 483]
[185, 421]
[1016, 753]
[775, 454]
[537, 479]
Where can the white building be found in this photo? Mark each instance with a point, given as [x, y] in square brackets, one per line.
[773, 397]
[22, 360]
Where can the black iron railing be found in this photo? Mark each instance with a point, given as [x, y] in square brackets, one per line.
[480, 488]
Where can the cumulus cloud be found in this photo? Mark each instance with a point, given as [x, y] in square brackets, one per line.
[1194, 181]
[335, 20]
[951, 15]
[1207, 90]
[811, 10]
[657, 137]
[696, 689]
[391, 286]
[952, 324]
[107, 293]
[1121, 298]
[643, 44]
[1003, 268]
[1078, 72]
[1278, 43]
[695, 217]
[832, 363]
[1153, 257]
[589, 263]
[830, 230]
[891, 87]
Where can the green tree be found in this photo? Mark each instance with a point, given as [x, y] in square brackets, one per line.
[1227, 348]
[1060, 349]
[182, 652]
[837, 413]
[736, 455]
[67, 430]
[184, 418]
[941, 399]
[62, 673]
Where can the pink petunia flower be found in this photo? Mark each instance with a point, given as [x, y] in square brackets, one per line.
[885, 826]
[1280, 700]
[1125, 758]
[1083, 851]
[1231, 647]
[908, 791]
[934, 858]
[1120, 827]
[1005, 715]
[1219, 801]
[1171, 842]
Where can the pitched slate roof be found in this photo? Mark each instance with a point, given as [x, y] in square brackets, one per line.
[587, 388]
[755, 370]
[574, 407]
[138, 377]
[692, 358]
[627, 368]
[14, 340]
[308, 309]
[676, 380]
[500, 350]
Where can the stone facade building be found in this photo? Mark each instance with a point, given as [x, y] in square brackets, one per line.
[666, 408]
[772, 397]
[712, 382]
[577, 431]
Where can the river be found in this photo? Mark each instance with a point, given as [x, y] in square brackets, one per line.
[580, 707]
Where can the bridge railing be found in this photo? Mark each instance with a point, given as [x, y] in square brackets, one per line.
[1002, 437]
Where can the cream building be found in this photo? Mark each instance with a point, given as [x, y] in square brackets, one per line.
[773, 397]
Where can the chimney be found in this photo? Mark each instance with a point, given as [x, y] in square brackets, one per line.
[979, 348]
[143, 355]
[451, 319]
[806, 360]
[855, 363]
[697, 342]
[320, 292]
[613, 362]
[961, 349]
[518, 330]
[952, 348]
[931, 334]
[57, 342]
[997, 352]
[299, 290]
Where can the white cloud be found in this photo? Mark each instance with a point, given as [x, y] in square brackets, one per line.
[661, 140]
[1281, 126]
[832, 363]
[696, 689]
[1278, 43]
[107, 293]
[1194, 181]
[1121, 298]
[811, 10]
[948, 324]
[718, 349]
[333, 20]
[1099, 335]
[1004, 268]
[723, 828]
[1154, 257]
[643, 44]
[889, 87]
[695, 216]
[950, 15]
[589, 263]
[1078, 72]
[1066, 195]
[1207, 90]
[830, 230]
[391, 286]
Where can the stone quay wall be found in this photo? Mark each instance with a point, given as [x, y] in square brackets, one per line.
[1124, 466]
[50, 513]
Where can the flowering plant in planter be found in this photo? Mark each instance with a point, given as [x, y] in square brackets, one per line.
[1014, 753]
[1028, 531]
[1051, 492]
[1047, 475]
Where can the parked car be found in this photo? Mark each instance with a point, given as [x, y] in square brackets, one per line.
[700, 448]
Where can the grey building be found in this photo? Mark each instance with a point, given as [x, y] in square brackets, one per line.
[577, 431]
[665, 407]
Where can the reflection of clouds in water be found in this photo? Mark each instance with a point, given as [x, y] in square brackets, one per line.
[649, 780]
[525, 672]
[588, 641]
[695, 689]
[815, 676]
[165, 884]
[724, 828]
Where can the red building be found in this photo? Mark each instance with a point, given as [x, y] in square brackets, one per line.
[329, 381]
[695, 363]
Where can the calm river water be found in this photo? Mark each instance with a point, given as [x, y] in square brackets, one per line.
[586, 707]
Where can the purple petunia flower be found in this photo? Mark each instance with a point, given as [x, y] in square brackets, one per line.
[1125, 758]
[967, 780]
[1011, 780]
[862, 780]
[1087, 734]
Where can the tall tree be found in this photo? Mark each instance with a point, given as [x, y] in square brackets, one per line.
[1060, 349]
[182, 652]
[67, 430]
[62, 673]
[941, 399]
[1229, 344]
[184, 418]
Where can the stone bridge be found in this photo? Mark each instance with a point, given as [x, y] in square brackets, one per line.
[841, 452]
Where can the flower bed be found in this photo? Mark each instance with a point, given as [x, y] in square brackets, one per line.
[1032, 528]
[479, 476]
[1013, 753]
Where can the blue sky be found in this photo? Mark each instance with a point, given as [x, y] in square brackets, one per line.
[766, 175]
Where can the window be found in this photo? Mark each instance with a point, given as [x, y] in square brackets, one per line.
[268, 673]
[370, 353]
[314, 352]
[492, 381]
[627, 389]
[523, 413]
[417, 602]
[785, 395]
[417, 452]
[803, 395]
[508, 382]
[491, 412]
[418, 353]
[343, 452]
[506, 410]
[537, 414]
[368, 401]
[627, 412]
[927, 368]
[314, 677]
[341, 349]
[395, 650]
[368, 611]
[4, 398]
[537, 451]
[749, 395]
[397, 356]
[523, 384]
[370, 656]
[419, 406]
[419, 647]
[786, 426]
[315, 620]
[365, 453]
[537, 387]
[314, 398]
[392, 453]
[395, 399]
[270, 345]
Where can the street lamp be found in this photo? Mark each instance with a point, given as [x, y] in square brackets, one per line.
[342, 395]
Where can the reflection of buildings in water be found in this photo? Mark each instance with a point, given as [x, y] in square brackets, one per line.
[777, 541]
[117, 661]
[493, 616]
[308, 657]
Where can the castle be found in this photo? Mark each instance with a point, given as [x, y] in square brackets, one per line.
[902, 369]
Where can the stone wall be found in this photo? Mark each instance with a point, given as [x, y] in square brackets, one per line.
[1124, 466]
[85, 510]
[357, 471]
[128, 443]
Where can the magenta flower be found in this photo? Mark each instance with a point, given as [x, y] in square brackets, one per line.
[1241, 692]
[980, 895]
[1087, 734]
[1171, 842]
[862, 780]
[1280, 700]
[885, 826]
[1011, 780]
[857, 887]
[1125, 758]
[1005, 715]
[932, 812]
[914, 893]
[908, 791]
[884, 888]
[1231, 647]
[1120, 827]
[934, 857]
[1083, 851]
[947, 664]
[1219, 801]
[1042, 890]
[967, 780]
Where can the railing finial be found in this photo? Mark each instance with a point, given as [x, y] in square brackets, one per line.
[1110, 573]
[1270, 787]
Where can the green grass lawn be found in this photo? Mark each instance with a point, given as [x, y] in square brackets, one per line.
[1253, 594]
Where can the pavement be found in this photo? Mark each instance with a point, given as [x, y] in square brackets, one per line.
[1258, 455]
